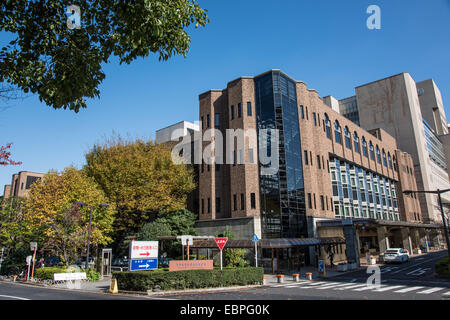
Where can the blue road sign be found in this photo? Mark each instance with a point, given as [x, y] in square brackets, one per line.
[143, 264]
[255, 238]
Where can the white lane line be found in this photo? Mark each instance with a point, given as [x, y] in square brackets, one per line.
[369, 288]
[290, 284]
[388, 288]
[408, 289]
[431, 290]
[13, 297]
[352, 286]
[446, 294]
[332, 286]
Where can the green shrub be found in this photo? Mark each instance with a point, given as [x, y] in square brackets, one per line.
[188, 279]
[47, 272]
[442, 267]
[92, 275]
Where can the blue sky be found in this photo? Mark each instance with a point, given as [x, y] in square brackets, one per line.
[324, 43]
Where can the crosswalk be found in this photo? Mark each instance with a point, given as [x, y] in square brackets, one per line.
[359, 287]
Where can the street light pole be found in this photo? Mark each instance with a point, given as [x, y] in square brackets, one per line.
[438, 192]
[444, 222]
[82, 204]
[89, 238]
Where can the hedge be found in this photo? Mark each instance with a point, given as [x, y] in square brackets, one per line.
[47, 272]
[187, 279]
[442, 267]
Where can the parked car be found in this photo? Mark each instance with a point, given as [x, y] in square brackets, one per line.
[396, 255]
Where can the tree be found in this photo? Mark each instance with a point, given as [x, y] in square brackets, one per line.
[234, 257]
[4, 156]
[63, 65]
[49, 210]
[141, 180]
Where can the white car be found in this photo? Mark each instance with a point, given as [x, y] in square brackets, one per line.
[396, 255]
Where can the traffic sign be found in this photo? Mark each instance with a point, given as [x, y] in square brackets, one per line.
[143, 264]
[221, 242]
[29, 260]
[143, 249]
[33, 245]
[255, 238]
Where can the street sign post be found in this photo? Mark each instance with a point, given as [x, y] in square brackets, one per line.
[29, 264]
[255, 241]
[1, 258]
[221, 243]
[143, 255]
[33, 246]
[186, 240]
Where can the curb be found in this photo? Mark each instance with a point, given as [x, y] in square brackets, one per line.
[205, 290]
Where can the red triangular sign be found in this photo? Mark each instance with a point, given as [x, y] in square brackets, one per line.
[221, 242]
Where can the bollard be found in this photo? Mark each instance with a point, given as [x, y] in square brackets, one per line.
[296, 277]
[280, 278]
[309, 276]
[113, 286]
[265, 280]
[14, 277]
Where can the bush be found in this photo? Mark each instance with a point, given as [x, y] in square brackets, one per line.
[47, 273]
[442, 267]
[92, 275]
[188, 279]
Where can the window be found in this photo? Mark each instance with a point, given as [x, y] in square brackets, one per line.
[347, 138]
[232, 112]
[203, 206]
[364, 146]
[203, 122]
[250, 156]
[239, 110]
[302, 112]
[314, 118]
[209, 205]
[318, 162]
[217, 120]
[306, 157]
[337, 132]
[309, 201]
[249, 109]
[253, 200]
[378, 155]
[384, 158]
[322, 203]
[242, 201]
[234, 202]
[307, 113]
[327, 126]
[356, 142]
[217, 204]
[372, 155]
[208, 123]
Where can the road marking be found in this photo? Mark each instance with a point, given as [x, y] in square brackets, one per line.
[352, 286]
[331, 286]
[418, 264]
[388, 288]
[446, 294]
[430, 290]
[419, 272]
[13, 297]
[368, 288]
[289, 284]
[408, 289]
[316, 283]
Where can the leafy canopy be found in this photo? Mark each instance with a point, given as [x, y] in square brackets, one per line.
[64, 66]
[49, 210]
[140, 179]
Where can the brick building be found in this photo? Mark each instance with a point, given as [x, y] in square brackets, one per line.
[334, 179]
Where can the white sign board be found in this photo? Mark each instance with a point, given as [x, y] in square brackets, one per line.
[33, 245]
[29, 260]
[69, 276]
[144, 249]
[185, 240]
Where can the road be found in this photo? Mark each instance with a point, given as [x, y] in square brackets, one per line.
[414, 280]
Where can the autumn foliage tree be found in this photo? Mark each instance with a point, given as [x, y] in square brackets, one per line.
[5, 154]
[50, 211]
[140, 179]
